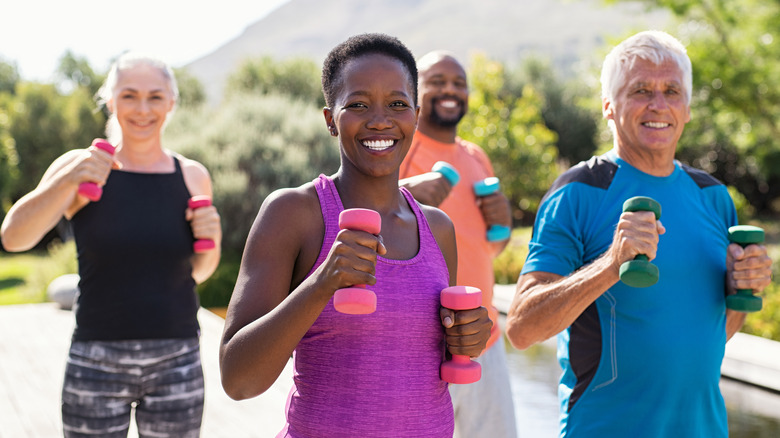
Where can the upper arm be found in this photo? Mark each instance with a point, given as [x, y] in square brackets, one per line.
[277, 255]
[444, 233]
[196, 177]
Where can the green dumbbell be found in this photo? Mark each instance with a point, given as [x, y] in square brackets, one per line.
[640, 272]
[744, 300]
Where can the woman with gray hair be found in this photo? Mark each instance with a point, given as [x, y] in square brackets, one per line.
[135, 344]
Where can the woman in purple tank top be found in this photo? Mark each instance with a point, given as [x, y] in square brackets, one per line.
[365, 375]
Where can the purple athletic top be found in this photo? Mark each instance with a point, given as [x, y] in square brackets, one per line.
[375, 375]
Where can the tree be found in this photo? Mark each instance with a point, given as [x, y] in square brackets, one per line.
[253, 145]
[9, 76]
[297, 78]
[510, 128]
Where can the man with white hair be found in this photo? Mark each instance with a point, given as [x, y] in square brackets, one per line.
[637, 361]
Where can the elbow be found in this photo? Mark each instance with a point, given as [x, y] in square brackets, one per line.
[518, 335]
[238, 389]
[10, 244]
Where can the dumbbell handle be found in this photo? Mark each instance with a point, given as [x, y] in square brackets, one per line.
[640, 272]
[357, 300]
[744, 300]
[201, 245]
[91, 190]
[488, 186]
[461, 369]
[447, 171]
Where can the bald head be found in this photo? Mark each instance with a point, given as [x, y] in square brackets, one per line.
[433, 58]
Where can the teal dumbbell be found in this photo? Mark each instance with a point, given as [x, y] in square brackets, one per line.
[486, 187]
[447, 171]
[640, 272]
[744, 300]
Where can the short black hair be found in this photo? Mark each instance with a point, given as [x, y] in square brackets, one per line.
[360, 45]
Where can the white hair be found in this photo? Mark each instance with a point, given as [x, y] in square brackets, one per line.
[106, 92]
[654, 46]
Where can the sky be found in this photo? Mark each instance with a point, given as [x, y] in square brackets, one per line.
[36, 33]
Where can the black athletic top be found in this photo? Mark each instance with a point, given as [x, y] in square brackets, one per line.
[134, 250]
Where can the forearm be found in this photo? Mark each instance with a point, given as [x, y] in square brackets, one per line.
[734, 322]
[36, 213]
[204, 264]
[546, 304]
[252, 359]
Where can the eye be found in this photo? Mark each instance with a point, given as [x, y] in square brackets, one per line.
[356, 105]
[399, 104]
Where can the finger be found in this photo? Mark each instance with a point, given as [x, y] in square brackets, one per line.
[447, 317]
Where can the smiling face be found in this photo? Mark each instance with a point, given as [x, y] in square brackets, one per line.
[444, 93]
[374, 114]
[141, 101]
[649, 111]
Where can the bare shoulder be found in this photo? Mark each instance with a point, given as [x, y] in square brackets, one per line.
[196, 176]
[437, 219]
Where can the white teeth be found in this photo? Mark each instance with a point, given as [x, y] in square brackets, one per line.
[656, 125]
[378, 145]
[448, 103]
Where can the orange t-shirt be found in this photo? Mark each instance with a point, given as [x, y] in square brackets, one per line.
[475, 254]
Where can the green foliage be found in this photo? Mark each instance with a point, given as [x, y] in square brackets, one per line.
[216, 291]
[253, 145]
[191, 91]
[75, 72]
[297, 78]
[508, 264]
[566, 109]
[510, 128]
[765, 322]
[44, 124]
[9, 162]
[24, 278]
[9, 76]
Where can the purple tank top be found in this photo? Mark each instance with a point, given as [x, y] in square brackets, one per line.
[375, 375]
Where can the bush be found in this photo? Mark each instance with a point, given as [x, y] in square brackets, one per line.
[509, 263]
[253, 145]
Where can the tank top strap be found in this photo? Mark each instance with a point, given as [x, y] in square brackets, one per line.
[427, 240]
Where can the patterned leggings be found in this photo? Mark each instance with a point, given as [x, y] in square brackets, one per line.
[161, 378]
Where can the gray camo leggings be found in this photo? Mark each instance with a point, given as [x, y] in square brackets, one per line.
[162, 379]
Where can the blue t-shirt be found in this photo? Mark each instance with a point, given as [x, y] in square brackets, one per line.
[640, 362]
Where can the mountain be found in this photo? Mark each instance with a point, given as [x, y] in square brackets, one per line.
[564, 31]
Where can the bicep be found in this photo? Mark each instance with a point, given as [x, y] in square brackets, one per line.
[267, 265]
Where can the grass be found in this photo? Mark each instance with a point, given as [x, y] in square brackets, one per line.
[25, 276]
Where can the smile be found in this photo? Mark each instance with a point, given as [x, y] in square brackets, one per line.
[378, 145]
[656, 125]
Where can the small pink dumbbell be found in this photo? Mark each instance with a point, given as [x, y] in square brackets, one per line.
[357, 300]
[91, 190]
[461, 369]
[195, 202]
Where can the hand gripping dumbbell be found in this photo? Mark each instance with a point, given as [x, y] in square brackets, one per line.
[486, 187]
[357, 300]
[447, 171]
[91, 190]
[744, 300]
[640, 272]
[201, 245]
[461, 369]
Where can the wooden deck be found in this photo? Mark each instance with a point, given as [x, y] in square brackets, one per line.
[34, 341]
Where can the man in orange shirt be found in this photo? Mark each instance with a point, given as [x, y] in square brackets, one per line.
[484, 408]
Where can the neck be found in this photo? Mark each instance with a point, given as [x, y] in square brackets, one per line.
[438, 133]
[145, 155]
[656, 163]
[358, 190]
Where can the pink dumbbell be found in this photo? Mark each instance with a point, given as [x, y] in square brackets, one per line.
[461, 369]
[357, 300]
[91, 190]
[195, 202]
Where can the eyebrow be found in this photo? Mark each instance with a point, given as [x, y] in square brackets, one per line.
[366, 93]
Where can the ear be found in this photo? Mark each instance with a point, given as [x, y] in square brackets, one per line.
[606, 109]
[687, 114]
[328, 113]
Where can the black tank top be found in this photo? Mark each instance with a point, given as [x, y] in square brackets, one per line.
[134, 250]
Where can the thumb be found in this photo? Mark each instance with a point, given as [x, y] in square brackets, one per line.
[447, 317]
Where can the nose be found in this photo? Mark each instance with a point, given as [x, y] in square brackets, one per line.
[658, 102]
[379, 118]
